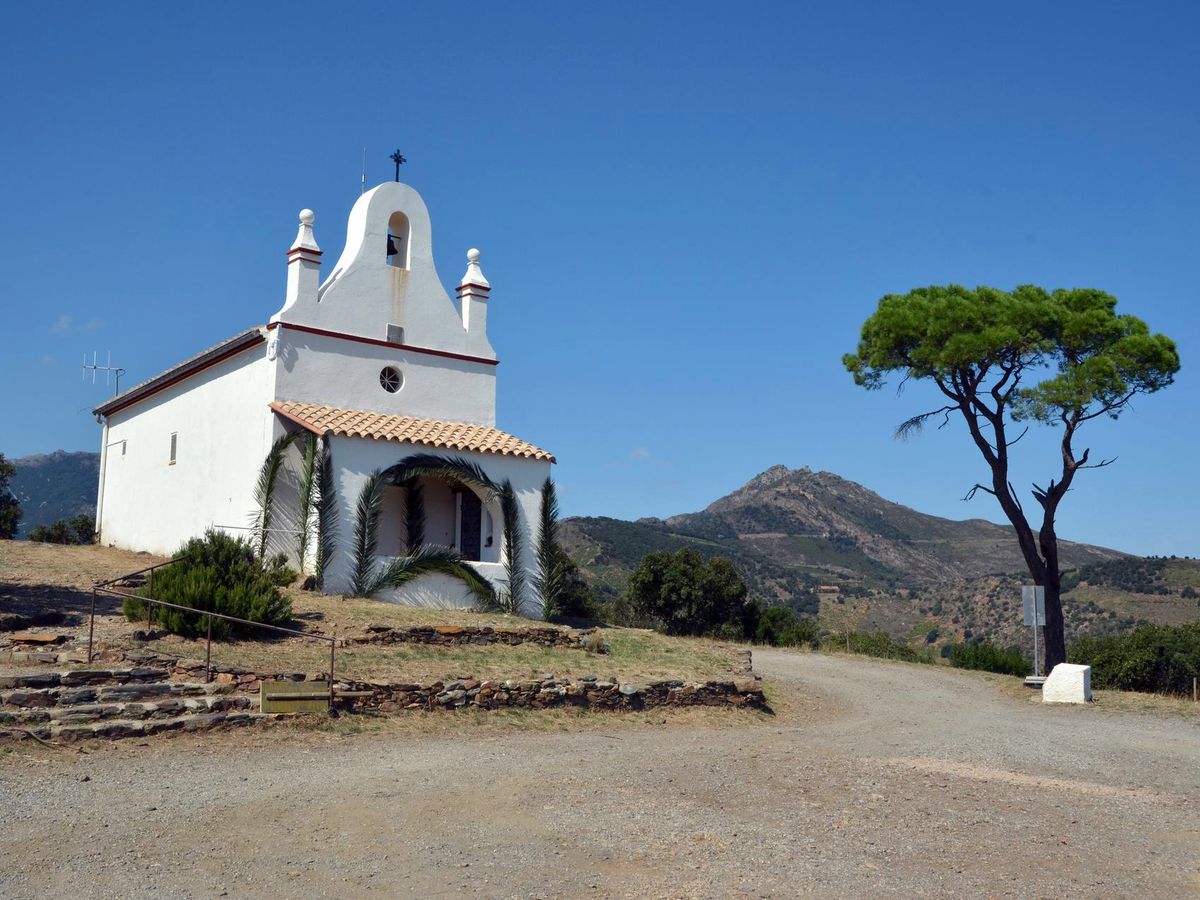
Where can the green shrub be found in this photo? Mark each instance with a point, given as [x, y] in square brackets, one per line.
[879, 644]
[221, 574]
[1152, 658]
[79, 530]
[780, 627]
[686, 594]
[987, 657]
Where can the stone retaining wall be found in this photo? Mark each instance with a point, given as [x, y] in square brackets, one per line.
[544, 693]
[457, 635]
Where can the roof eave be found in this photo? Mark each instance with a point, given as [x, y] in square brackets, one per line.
[213, 355]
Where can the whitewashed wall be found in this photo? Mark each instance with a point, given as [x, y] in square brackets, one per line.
[316, 368]
[224, 429]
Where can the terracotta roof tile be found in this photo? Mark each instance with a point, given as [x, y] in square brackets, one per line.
[407, 429]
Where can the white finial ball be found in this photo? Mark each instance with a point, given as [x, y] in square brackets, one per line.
[306, 217]
[473, 256]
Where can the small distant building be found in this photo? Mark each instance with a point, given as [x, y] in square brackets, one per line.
[377, 359]
[828, 589]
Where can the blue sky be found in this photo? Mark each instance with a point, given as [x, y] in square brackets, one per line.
[685, 211]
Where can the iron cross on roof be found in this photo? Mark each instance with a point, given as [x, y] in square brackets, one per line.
[399, 161]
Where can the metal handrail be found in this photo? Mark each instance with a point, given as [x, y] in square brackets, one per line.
[103, 587]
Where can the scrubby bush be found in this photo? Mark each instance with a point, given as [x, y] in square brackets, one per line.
[221, 574]
[79, 530]
[1153, 658]
[879, 644]
[685, 594]
[780, 627]
[989, 658]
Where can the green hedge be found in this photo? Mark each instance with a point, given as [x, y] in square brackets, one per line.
[780, 627]
[990, 658]
[1159, 659]
[879, 644]
[222, 574]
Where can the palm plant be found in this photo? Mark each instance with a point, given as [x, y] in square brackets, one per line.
[306, 496]
[432, 560]
[550, 579]
[454, 469]
[414, 514]
[513, 597]
[366, 534]
[327, 513]
[264, 490]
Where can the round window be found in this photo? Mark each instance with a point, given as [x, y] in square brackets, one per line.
[390, 379]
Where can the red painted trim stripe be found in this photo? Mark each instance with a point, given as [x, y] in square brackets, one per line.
[207, 364]
[308, 329]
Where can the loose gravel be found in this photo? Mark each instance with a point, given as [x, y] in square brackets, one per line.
[876, 779]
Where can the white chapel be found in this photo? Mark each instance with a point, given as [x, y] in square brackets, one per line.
[379, 362]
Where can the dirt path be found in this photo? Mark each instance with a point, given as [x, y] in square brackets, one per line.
[878, 780]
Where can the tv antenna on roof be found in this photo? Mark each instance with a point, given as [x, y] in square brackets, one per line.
[107, 368]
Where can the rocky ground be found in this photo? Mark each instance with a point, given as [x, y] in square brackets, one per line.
[875, 779]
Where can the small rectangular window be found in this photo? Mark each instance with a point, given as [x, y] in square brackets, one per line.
[395, 334]
[174, 436]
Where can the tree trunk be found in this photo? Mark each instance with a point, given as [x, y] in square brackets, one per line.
[1055, 633]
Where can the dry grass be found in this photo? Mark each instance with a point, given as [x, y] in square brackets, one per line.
[1117, 701]
[58, 575]
[635, 655]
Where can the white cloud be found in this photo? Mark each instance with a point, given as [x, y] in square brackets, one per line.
[65, 324]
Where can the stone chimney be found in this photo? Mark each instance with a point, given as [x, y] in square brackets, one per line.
[304, 264]
[473, 296]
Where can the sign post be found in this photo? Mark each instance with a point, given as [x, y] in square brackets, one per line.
[1033, 597]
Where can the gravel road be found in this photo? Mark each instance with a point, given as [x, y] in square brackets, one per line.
[876, 779]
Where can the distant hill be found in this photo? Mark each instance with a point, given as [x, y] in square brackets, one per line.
[55, 485]
[796, 524]
[886, 566]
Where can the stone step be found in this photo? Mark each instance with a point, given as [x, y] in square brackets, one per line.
[26, 698]
[122, 728]
[168, 708]
[75, 677]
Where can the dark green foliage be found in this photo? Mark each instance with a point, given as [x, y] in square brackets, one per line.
[572, 597]
[1153, 658]
[989, 658]
[221, 574]
[1188, 593]
[932, 636]
[687, 595]
[780, 627]
[1141, 575]
[879, 644]
[10, 509]
[79, 530]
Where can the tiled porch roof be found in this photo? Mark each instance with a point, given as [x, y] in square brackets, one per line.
[333, 420]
